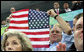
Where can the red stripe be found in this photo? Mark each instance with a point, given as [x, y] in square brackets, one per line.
[21, 10]
[13, 27]
[40, 46]
[19, 22]
[20, 16]
[37, 33]
[39, 39]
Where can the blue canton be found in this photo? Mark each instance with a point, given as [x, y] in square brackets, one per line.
[38, 19]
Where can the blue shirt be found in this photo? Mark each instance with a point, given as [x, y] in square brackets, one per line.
[68, 39]
[52, 47]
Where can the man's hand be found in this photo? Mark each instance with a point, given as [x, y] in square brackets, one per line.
[61, 47]
[51, 13]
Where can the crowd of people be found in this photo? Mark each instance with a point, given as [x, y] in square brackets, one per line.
[62, 37]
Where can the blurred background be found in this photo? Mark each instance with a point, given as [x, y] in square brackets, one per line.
[42, 5]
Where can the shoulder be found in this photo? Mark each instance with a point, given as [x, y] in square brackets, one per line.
[66, 37]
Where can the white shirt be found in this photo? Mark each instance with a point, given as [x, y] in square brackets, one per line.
[67, 10]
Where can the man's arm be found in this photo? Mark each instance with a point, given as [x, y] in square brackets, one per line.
[65, 27]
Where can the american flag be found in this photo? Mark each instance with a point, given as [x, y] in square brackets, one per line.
[35, 24]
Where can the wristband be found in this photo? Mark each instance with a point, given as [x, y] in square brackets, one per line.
[55, 16]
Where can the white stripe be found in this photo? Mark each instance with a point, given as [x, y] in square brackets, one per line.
[19, 25]
[31, 30]
[38, 36]
[40, 42]
[20, 19]
[20, 13]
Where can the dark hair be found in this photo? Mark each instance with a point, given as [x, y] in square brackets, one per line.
[78, 16]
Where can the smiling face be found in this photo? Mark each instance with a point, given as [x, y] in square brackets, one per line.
[56, 35]
[78, 35]
[66, 5]
[56, 5]
[13, 44]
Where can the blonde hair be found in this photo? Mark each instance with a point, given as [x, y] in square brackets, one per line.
[25, 42]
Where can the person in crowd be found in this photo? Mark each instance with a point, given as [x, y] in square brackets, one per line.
[11, 10]
[67, 31]
[65, 27]
[57, 8]
[74, 23]
[56, 36]
[3, 23]
[53, 39]
[4, 26]
[37, 9]
[66, 8]
[15, 41]
[8, 18]
[77, 5]
[78, 37]
[62, 23]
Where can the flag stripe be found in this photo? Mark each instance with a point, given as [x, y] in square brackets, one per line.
[41, 46]
[20, 16]
[40, 42]
[13, 27]
[19, 22]
[37, 33]
[38, 36]
[39, 39]
[20, 13]
[29, 30]
[21, 10]
[20, 25]
[20, 19]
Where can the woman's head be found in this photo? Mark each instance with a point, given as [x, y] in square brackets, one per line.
[15, 41]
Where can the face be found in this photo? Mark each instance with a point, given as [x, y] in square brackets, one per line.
[13, 44]
[12, 10]
[66, 5]
[37, 9]
[56, 5]
[56, 35]
[3, 22]
[74, 22]
[78, 35]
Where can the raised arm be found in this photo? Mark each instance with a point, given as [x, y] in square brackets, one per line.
[65, 27]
